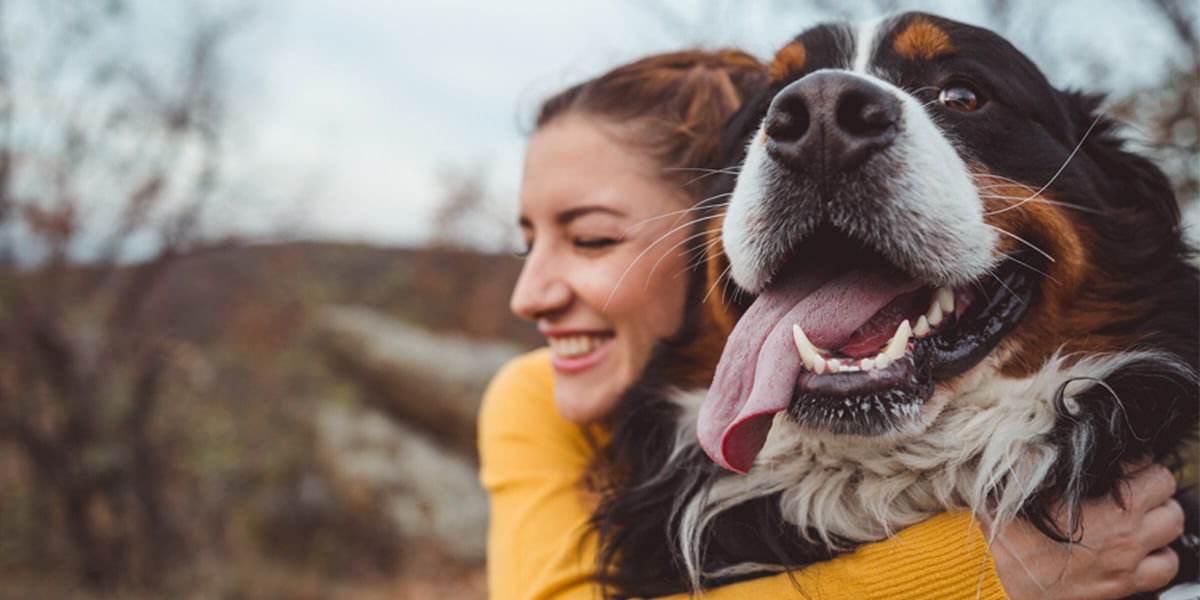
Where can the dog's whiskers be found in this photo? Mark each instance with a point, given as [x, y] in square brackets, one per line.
[1022, 240]
[1004, 285]
[729, 170]
[647, 249]
[715, 202]
[707, 173]
[1034, 269]
[668, 253]
[716, 283]
[683, 211]
[1099, 115]
[1042, 201]
[701, 255]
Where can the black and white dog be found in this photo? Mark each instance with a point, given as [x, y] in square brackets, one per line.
[953, 288]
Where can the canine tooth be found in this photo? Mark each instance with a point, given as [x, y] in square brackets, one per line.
[819, 365]
[921, 329]
[945, 299]
[808, 352]
[899, 343]
[935, 314]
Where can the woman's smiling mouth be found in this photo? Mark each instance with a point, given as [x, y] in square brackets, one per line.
[576, 352]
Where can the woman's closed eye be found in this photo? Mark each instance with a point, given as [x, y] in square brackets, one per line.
[593, 243]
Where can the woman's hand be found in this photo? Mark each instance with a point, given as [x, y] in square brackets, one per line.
[1123, 550]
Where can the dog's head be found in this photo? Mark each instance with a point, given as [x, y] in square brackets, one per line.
[916, 209]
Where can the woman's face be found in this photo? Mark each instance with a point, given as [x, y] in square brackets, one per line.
[605, 278]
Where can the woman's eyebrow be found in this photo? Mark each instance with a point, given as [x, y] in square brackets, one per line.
[567, 216]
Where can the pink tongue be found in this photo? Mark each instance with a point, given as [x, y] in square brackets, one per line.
[756, 377]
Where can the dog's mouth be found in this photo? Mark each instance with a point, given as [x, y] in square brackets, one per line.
[849, 344]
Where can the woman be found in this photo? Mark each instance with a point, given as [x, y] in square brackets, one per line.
[610, 170]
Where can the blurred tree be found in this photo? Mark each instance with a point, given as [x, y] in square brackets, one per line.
[110, 150]
[465, 217]
[458, 286]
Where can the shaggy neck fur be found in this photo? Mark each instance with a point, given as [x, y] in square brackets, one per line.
[990, 451]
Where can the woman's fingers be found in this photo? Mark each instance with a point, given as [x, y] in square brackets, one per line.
[1156, 570]
[1149, 487]
[1162, 524]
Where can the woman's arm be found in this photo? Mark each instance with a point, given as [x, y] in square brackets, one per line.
[539, 545]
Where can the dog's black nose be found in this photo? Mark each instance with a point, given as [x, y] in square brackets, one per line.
[830, 121]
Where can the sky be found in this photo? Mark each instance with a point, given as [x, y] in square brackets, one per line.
[364, 102]
[344, 113]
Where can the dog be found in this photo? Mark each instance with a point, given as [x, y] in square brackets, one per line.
[934, 283]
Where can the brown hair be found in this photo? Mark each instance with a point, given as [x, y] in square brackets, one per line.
[673, 106]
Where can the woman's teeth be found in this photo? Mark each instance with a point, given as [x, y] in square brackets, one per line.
[576, 345]
[815, 359]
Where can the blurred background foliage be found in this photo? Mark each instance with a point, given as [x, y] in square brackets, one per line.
[187, 414]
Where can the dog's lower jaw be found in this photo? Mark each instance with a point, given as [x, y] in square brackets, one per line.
[985, 447]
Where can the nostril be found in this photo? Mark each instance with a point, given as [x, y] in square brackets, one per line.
[866, 115]
[788, 120]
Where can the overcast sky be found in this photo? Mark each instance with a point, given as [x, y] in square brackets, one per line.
[347, 109]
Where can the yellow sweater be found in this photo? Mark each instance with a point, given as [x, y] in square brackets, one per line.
[539, 546]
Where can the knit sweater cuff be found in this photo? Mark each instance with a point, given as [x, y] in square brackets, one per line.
[915, 563]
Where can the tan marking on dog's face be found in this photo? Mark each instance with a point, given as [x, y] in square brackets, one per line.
[718, 316]
[788, 61]
[717, 279]
[1076, 299]
[922, 40]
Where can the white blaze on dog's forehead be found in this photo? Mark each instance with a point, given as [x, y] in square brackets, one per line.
[866, 38]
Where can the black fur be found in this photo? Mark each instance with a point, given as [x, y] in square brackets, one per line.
[1150, 408]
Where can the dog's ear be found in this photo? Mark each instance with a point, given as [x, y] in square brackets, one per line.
[1134, 182]
[743, 124]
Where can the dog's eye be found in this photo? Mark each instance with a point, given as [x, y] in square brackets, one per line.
[960, 96]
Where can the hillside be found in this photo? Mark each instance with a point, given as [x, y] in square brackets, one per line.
[446, 291]
[278, 468]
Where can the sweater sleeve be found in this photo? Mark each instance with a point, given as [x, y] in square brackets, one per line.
[540, 547]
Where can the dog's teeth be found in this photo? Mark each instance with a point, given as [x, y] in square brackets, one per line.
[921, 329]
[935, 314]
[896, 348]
[945, 299]
[883, 360]
[833, 365]
[867, 364]
[808, 352]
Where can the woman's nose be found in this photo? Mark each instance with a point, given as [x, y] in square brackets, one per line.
[541, 288]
